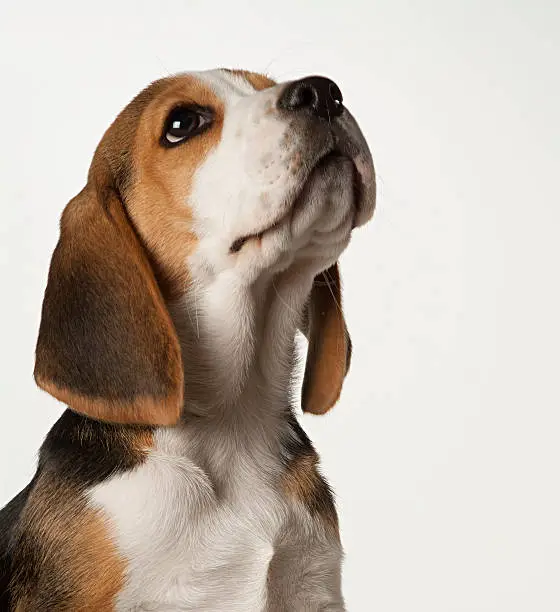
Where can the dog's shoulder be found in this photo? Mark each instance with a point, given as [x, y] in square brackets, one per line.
[59, 554]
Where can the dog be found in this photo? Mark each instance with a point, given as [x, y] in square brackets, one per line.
[215, 211]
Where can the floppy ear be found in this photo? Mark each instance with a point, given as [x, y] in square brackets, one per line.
[107, 346]
[330, 347]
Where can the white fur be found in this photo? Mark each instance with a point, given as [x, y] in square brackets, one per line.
[202, 522]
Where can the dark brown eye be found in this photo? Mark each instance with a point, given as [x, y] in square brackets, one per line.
[184, 122]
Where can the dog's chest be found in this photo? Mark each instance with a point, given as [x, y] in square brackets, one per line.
[195, 536]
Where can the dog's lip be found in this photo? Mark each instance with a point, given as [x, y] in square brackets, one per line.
[334, 153]
[238, 243]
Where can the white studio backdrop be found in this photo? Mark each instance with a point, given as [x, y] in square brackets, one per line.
[444, 448]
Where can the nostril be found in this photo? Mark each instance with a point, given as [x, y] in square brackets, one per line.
[306, 96]
[335, 93]
[300, 96]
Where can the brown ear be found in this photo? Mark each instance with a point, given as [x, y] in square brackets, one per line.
[330, 348]
[107, 346]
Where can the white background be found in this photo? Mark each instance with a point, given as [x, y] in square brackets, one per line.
[444, 450]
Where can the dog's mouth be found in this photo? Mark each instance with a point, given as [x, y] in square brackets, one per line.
[239, 243]
[334, 154]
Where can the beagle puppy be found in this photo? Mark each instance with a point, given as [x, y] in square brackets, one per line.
[215, 210]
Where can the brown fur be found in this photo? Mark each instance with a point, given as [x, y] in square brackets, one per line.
[329, 351]
[143, 411]
[107, 346]
[303, 482]
[70, 562]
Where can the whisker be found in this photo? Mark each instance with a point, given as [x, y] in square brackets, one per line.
[269, 65]
[339, 306]
[196, 311]
[163, 65]
[189, 311]
[329, 282]
[282, 301]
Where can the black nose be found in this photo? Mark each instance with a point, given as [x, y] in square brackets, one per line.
[319, 95]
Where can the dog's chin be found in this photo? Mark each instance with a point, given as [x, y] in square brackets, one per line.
[310, 190]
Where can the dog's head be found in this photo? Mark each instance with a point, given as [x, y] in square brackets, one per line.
[203, 174]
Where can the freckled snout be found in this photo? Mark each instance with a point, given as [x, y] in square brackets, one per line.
[316, 95]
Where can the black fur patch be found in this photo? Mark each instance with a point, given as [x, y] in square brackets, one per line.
[87, 451]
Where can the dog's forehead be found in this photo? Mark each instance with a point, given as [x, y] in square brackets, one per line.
[226, 83]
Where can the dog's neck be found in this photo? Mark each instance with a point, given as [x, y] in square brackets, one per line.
[238, 342]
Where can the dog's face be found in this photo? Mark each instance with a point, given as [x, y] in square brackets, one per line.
[230, 170]
[201, 174]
